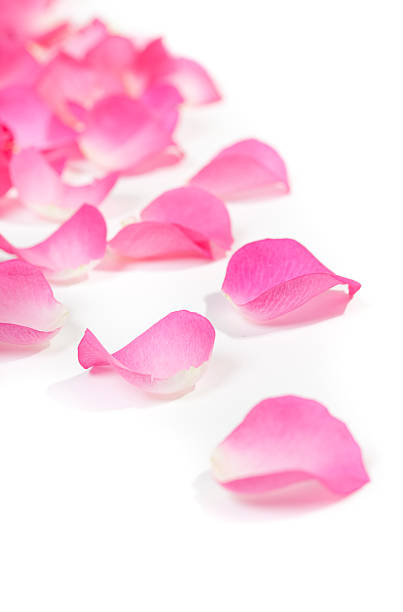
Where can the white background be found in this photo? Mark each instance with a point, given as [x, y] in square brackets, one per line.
[107, 503]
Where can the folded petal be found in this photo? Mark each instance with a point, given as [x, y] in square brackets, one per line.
[71, 250]
[269, 278]
[247, 169]
[122, 133]
[29, 313]
[183, 222]
[154, 64]
[31, 121]
[284, 440]
[41, 188]
[6, 148]
[167, 359]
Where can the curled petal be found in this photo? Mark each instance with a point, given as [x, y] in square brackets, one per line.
[29, 313]
[122, 133]
[284, 440]
[167, 359]
[41, 188]
[155, 65]
[247, 169]
[71, 250]
[269, 278]
[183, 222]
[31, 121]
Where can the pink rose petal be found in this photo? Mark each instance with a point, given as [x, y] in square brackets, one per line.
[31, 121]
[167, 359]
[284, 440]
[17, 66]
[41, 188]
[71, 250]
[6, 148]
[183, 222]
[79, 43]
[269, 278]
[29, 313]
[247, 169]
[121, 133]
[22, 18]
[155, 65]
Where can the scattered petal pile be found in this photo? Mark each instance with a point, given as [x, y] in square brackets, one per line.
[183, 222]
[246, 169]
[167, 359]
[29, 312]
[284, 440]
[268, 278]
[71, 250]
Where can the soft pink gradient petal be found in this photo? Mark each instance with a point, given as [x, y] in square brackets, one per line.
[29, 313]
[31, 120]
[71, 250]
[17, 66]
[155, 65]
[121, 133]
[247, 169]
[41, 188]
[284, 440]
[271, 277]
[183, 222]
[22, 18]
[167, 359]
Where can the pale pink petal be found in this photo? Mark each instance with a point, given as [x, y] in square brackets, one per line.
[17, 66]
[155, 65]
[41, 188]
[284, 440]
[167, 359]
[22, 18]
[79, 43]
[269, 278]
[71, 250]
[31, 121]
[122, 133]
[183, 222]
[6, 148]
[29, 313]
[247, 169]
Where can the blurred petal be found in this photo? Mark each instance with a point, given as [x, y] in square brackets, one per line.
[31, 121]
[284, 440]
[167, 359]
[29, 313]
[122, 133]
[17, 66]
[268, 278]
[247, 169]
[183, 222]
[71, 250]
[41, 188]
[6, 148]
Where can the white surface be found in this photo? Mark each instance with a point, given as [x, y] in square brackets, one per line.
[107, 504]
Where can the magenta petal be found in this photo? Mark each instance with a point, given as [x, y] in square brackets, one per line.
[71, 250]
[183, 222]
[247, 169]
[284, 440]
[41, 188]
[6, 148]
[29, 313]
[167, 359]
[31, 121]
[122, 133]
[269, 278]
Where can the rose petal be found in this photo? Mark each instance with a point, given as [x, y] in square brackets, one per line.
[71, 250]
[122, 133]
[17, 66]
[183, 222]
[41, 188]
[167, 359]
[22, 18]
[156, 65]
[284, 440]
[79, 43]
[6, 148]
[29, 313]
[268, 278]
[31, 121]
[246, 169]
